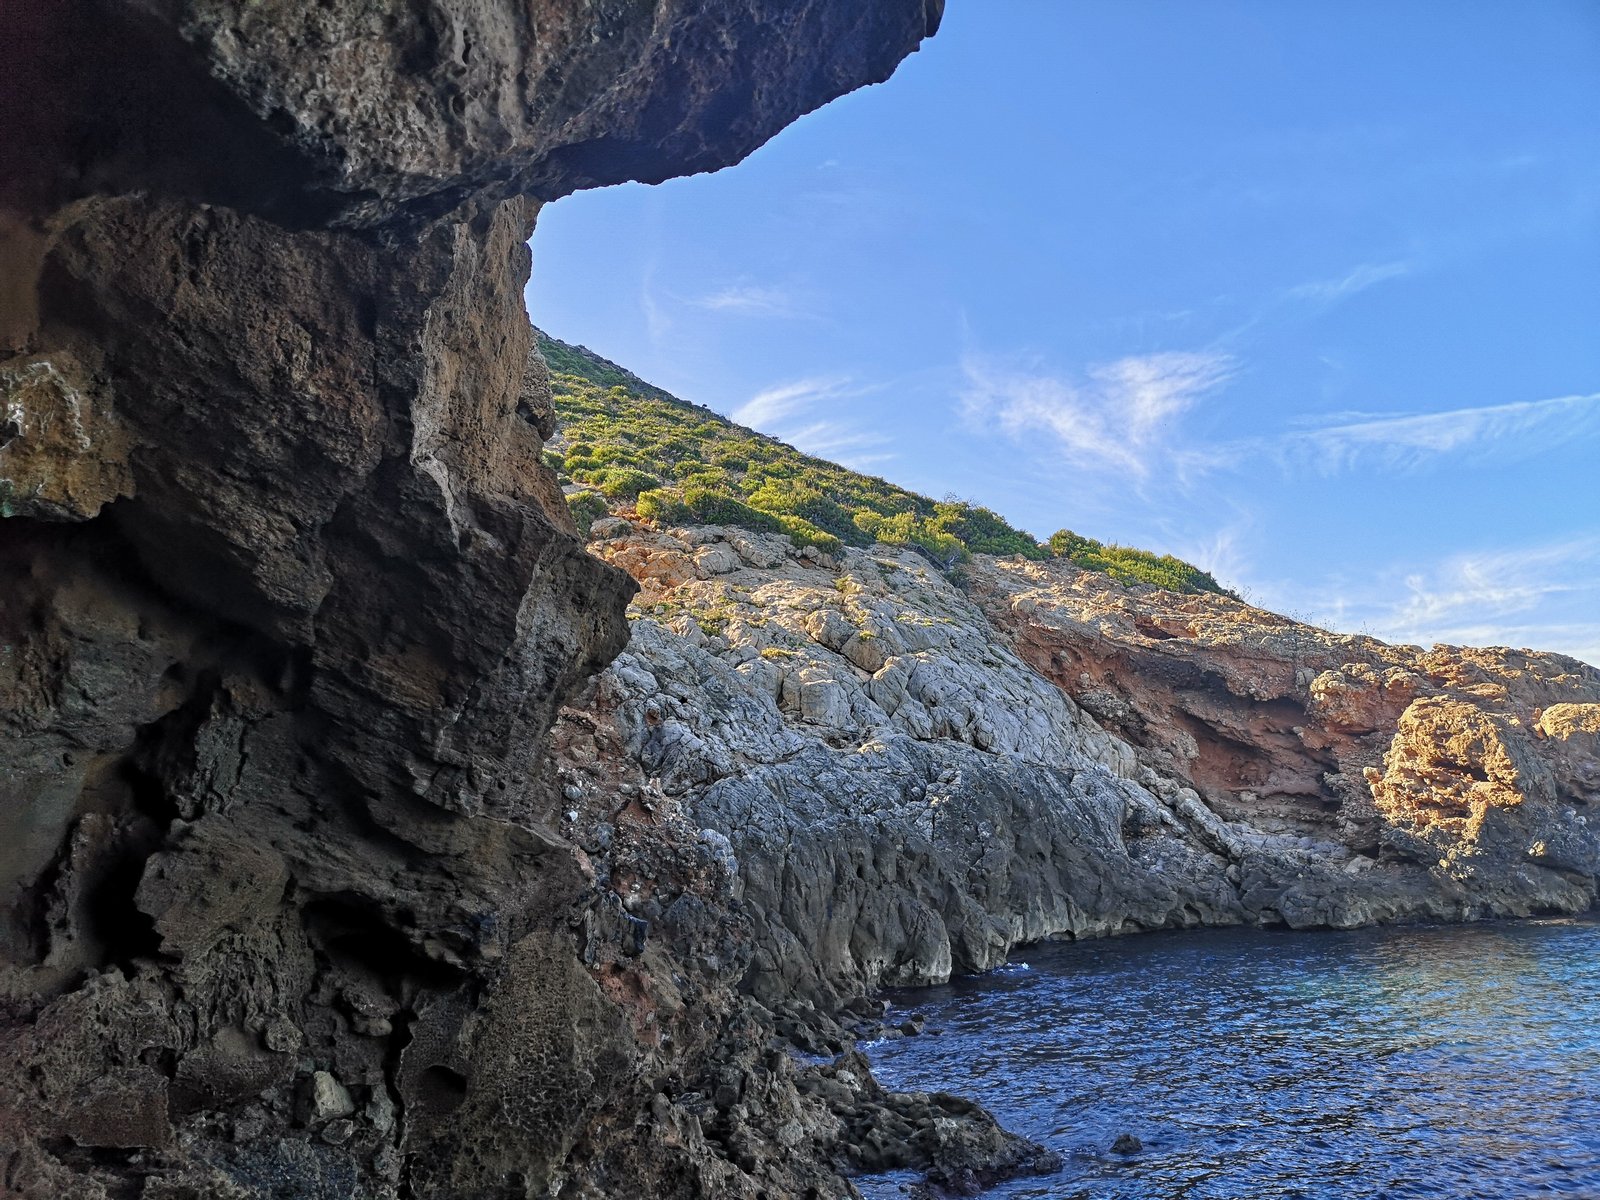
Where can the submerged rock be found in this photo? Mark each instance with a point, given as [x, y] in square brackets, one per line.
[957, 1146]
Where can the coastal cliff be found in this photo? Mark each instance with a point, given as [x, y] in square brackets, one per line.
[914, 776]
[334, 868]
[1477, 764]
[918, 763]
[290, 601]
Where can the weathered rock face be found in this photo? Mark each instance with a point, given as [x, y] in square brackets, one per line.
[912, 783]
[289, 603]
[368, 115]
[1478, 764]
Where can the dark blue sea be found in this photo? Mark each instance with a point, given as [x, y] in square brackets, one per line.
[1460, 1062]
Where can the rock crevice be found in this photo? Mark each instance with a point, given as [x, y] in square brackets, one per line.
[290, 601]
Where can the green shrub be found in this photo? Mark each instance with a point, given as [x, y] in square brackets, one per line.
[679, 448]
[1127, 565]
[908, 529]
[663, 507]
[627, 437]
[1066, 544]
[694, 474]
[803, 533]
[868, 522]
[587, 508]
[800, 500]
[713, 507]
[614, 455]
[984, 531]
[624, 483]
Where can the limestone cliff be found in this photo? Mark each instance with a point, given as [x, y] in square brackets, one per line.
[914, 776]
[303, 898]
[1476, 764]
[288, 601]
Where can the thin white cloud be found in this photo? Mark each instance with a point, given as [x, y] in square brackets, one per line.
[797, 413]
[786, 400]
[1153, 389]
[657, 321]
[1221, 552]
[860, 462]
[1498, 584]
[1543, 597]
[1357, 279]
[825, 438]
[1123, 418]
[753, 300]
[1405, 441]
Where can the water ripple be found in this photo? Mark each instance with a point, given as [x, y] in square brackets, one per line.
[1453, 1062]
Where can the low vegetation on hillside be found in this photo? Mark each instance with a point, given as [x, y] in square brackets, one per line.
[626, 442]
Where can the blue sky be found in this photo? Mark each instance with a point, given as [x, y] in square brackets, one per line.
[1307, 293]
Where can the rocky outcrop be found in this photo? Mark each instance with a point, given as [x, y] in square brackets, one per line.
[913, 776]
[1476, 764]
[299, 903]
[289, 601]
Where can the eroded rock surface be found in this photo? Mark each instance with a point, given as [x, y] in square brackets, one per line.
[915, 776]
[288, 601]
[301, 897]
[1476, 764]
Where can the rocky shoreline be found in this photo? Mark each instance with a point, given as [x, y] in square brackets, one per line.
[895, 793]
[915, 776]
[335, 872]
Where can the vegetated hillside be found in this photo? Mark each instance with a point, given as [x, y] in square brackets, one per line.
[624, 440]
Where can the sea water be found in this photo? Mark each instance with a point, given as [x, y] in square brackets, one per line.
[1453, 1061]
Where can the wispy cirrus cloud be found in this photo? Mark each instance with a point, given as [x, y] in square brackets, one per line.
[1122, 416]
[1403, 441]
[657, 320]
[1544, 596]
[1308, 299]
[801, 413]
[664, 308]
[841, 441]
[1357, 279]
[1330, 444]
[1498, 583]
[785, 400]
[754, 300]
[1127, 415]
[1221, 550]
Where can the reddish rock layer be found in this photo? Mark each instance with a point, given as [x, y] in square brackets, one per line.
[1480, 764]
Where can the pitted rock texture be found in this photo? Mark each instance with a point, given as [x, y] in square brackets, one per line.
[1479, 765]
[909, 789]
[288, 601]
[377, 115]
